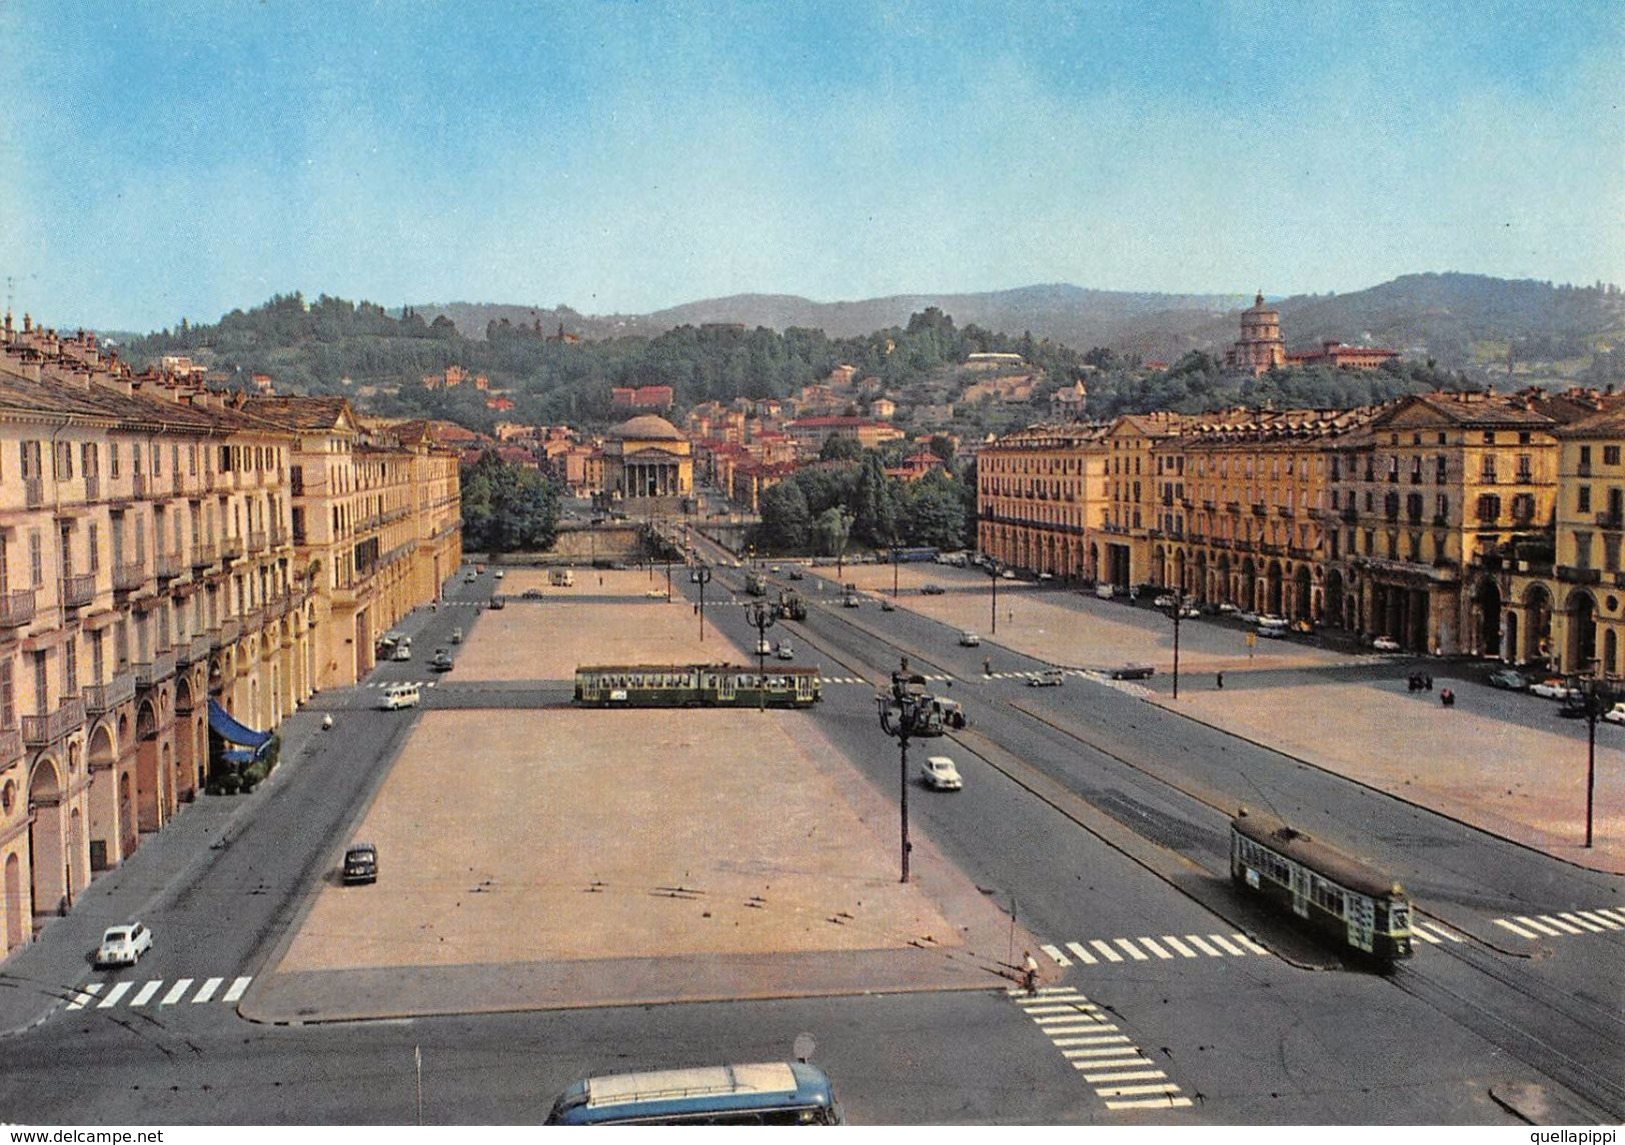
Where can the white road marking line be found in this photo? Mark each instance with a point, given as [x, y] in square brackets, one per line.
[1083, 955]
[86, 993]
[207, 990]
[1094, 1040]
[1134, 1090]
[237, 990]
[1076, 1028]
[1226, 945]
[1131, 1075]
[1444, 931]
[1179, 946]
[1594, 916]
[1560, 924]
[1202, 946]
[1151, 945]
[1515, 929]
[1612, 913]
[1417, 931]
[1134, 951]
[1111, 955]
[1098, 1052]
[1156, 1103]
[1578, 921]
[1250, 944]
[1055, 953]
[118, 991]
[147, 992]
[1050, 1022]
[175, 992]
[1059, 991]
[1036, 1010]
[1540, 926]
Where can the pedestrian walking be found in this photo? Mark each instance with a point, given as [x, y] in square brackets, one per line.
[1218, 680]
[1029, 974]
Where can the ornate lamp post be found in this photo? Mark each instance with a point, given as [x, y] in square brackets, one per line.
[702, 574]
[994, 569]
[1594, 707]
[761, 617]
[1179, 611]
[905, 712]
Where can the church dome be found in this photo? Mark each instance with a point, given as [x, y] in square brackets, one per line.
[647, 427]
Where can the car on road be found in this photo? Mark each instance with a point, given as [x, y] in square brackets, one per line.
[969, 639]
[1043, 577]
[655, 594]
[1268, 620]
[1248, 617]
[123, 945]
[1166, 600]
[1272, 632]
[1615, 714]
[797, 574]
[470, 577]
[932, 590]
[1189, 612]
[1385, 644]
[531, 594]
[398, 696]
[886, 605]
[1510, 680]
[500, 574]
[940, 774]
[499, 602]
[440, 661]
[1007, 574]
[1131, 672]
[1227, 609]
[1048, 678]
[360, 864]
[785, 650]
[1553, 688]
[1575, 707]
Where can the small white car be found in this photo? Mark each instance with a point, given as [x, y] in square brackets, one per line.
[398, 696]
[1048, 678]
[764, 647]
[500, 574]
[1226, 608]
[1268, 620]
[940, 774]
[123, 945]
[1385, 644]
[655, 594]
[1272, 631]
[785, 651]
[969, 639]
[470, 577]
[1553, 688]
[1615, 714]
[1166, 600]
[1189, 612]
[1007, 574]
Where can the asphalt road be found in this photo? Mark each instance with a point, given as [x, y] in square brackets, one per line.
[1093, 817]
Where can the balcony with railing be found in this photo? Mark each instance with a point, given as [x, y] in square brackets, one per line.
[231, 631]
[129, 575]
[151, 672]
[231, 548]
[101, 698]
[16, 608]
[39, 731]
[204, 554]
[168, 566]
[78, 590]
[258, 541]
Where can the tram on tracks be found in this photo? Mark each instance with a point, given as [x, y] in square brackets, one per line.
[1336, 895]
[695, 686]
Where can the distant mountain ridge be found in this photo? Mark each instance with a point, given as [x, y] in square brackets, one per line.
[1457, 319]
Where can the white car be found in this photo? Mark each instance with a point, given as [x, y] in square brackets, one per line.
[764, 647]
[398, 696]
[1385, 644]
[655, 594]
[940, 774]
[499, 574]
[123, 945]
[1164, 601]
[1615, 714]
[1268, 620]
[785, 651]
[1226, 608]
[1189, 612]
[1553, 688]
[968, 639]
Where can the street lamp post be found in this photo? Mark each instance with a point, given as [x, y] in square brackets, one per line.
[761, 617]
[1593, 710]
[702, 573]
[905, 712]
[1179, 610]
[993, 614]
[894, 552]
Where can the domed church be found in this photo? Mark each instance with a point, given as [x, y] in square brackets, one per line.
[647, 460]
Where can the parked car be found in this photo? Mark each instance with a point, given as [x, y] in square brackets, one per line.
[123, 945]
[440, 661]
[886, 604]
[1166, 600]
[499, 602]
[1048, 678]
[1553, 688]
[764, 647]
[1272, 632]
[360, 864]
[1268, 620]
[1385, 644]
[398, 696]
[1303, 627]
[655, 593]
[1131, 672]
[470, 577]
[1007, 574]
[940, 774]
[1615, 714]
[932, 590]
[1189, 612]
[456, 635]
[969, 639]
[532, 594]
[1248, 617]
[500, 574]
[1576, 706]
[797, 574]
[1510, 680]
[785, 651]
[1227, 609]
[1105, 590]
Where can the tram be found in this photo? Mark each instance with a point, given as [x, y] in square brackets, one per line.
[695, 685]
[1338, 896]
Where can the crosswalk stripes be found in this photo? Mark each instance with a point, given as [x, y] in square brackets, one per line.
[1167, 947]
[393, 683]
[1564, 923]
[1106, 1058]
[116, 992]
[1433, 932]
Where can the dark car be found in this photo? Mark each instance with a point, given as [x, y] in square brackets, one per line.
[532, 594]
[1131, 672]
[361, 864]
[797, 574]
[499, 602]
[1578, 707]
[1507, 678]
[932, 590]
[441, 660]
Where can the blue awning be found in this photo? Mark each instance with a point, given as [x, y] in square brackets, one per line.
[228, 729]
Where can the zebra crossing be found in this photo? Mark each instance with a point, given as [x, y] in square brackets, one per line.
[107, 995]
[1564, 923]
[393, 683]
[1104, 952]
[1105, 1057]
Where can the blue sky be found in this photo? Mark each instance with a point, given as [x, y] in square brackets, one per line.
[183, 158]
